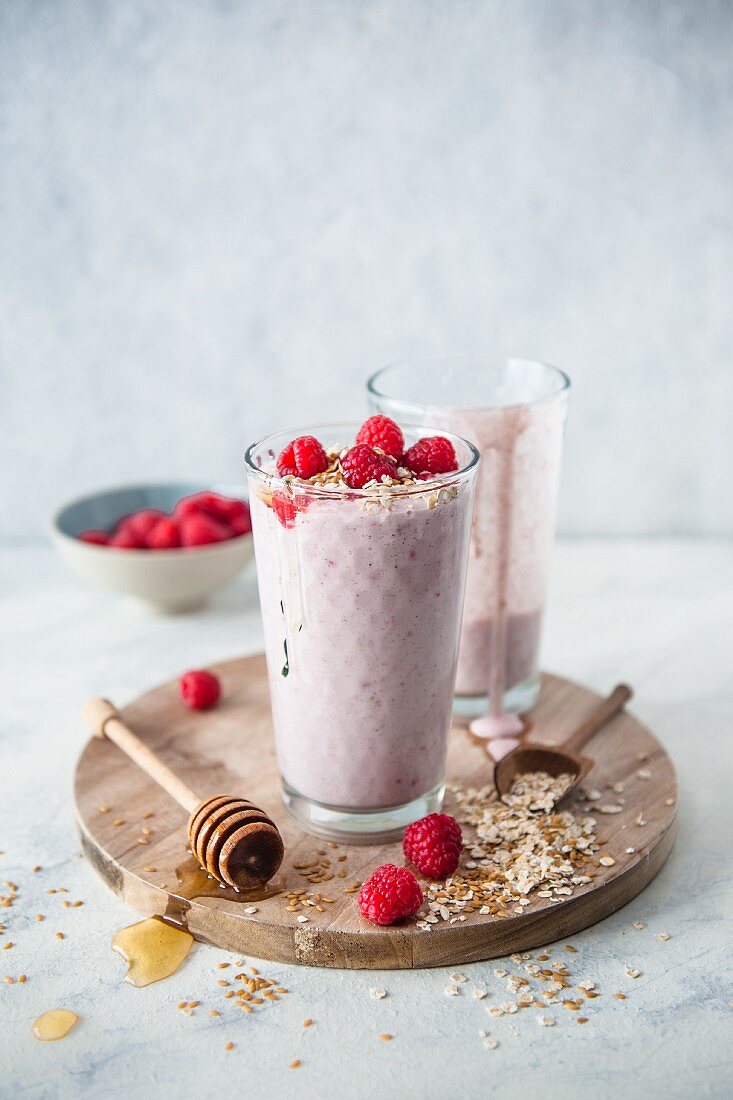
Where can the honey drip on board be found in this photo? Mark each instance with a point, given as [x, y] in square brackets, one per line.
[194, 882]
[153, 949]
[54, 1024]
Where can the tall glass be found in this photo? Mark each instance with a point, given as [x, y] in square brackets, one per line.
[361, 593]
[515, 414]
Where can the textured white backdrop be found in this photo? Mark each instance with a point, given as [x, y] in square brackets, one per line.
[217, 217]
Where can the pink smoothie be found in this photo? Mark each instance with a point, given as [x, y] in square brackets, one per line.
[511, 542]
[361, 608]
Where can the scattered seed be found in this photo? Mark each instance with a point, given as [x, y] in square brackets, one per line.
[308, 1022]
[663, 936]
[386, 1037]
[229, 1046]
[295, 1064]
[378, 994]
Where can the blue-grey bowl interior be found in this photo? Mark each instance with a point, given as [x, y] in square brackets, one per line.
[104, 509]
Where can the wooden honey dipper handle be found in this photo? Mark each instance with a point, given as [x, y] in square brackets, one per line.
[103, 720]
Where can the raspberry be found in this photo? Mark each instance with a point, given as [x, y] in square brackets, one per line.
[96, 538]
[206, 503]
[434, 845]
[287, 508]
[200, 690]
[241, 523]
[125, 540]
[362, 464]
[164, 536]
[304, 457]
[199, 529]
[380, 431]
[390, 894]
[140, 524]
[433, 455]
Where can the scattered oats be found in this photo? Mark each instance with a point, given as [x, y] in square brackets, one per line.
[460, 978]
[641, 820]
[119, 821]
[103, 809]
[251, 909]
[586, 985]
[607, 861]
[499, 973]
[610, 809]
[495, 1010]
[479, 994]
[643, 773]
[581, 1019]
[451, 991]
[491, 1044]
[214, 1012]
[620, 996]
[509, 1007]
[638, 924]
[593, 795]
[301, 918]
[525, 999]
[663, 936]
[669, 802]
[546, 1021]
[630, 851]
[633, 973]
[378, 994]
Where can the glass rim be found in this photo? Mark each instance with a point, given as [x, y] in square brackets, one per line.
[563, 382]
[438, 481]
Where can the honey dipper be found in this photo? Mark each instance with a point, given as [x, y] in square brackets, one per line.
[233, 840]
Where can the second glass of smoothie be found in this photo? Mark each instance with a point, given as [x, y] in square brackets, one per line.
[361, 593]
[515, 414]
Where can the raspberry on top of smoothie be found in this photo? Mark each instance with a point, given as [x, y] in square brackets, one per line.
[377, 458]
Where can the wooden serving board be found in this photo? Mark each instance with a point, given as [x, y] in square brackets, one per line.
[230, 750]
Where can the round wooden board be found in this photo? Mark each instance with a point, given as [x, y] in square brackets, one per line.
[231, 750]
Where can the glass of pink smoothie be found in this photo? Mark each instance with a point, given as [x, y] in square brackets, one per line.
[361, 593]
[515, 414]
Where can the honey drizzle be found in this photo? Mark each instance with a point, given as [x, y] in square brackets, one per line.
[153, 949]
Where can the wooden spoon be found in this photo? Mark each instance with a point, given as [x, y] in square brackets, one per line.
[532, 756]
[233, 840]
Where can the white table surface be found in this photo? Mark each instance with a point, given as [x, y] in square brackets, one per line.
[658, 613]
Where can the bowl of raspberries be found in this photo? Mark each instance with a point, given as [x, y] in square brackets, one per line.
[170, 544]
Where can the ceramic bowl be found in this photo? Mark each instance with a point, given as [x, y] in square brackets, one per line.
[170, 580]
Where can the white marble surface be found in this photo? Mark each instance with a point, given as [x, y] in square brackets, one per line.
[659, 613]
[218, 216]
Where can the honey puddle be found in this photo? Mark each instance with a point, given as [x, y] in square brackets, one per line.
[54, 1024]
[152, 949]
[194, 882]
